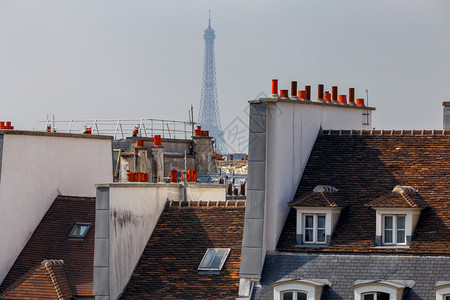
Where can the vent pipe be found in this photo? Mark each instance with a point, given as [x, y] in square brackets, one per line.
[342, 99]
[446, 106]
[284, 94]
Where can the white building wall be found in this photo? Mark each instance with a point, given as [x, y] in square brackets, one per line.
[126, 215]
[133, 214]
[35, 168]
[292, 129]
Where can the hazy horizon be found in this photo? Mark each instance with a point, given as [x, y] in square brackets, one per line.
[144, 59]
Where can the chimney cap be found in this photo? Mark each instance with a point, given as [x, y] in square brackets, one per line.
[446, 103]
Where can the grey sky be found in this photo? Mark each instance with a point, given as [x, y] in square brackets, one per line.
[132, 59]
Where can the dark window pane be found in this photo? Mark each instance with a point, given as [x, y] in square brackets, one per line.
[209, 255]
[401, 222]
[309, 222]
[368, 297]
[218, 258]
[382, 296]
[301, 296]
[388, 236]
[321, 235]
[288, 296]
[309, 235]
[400, 237]
[321, 221]
[388, 222]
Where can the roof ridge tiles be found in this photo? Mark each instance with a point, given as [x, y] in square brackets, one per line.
[208, 203]
[383, 132]
[48, 264]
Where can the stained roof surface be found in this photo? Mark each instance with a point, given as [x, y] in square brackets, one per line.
[50, 241]
[365, 167]
[168, 266]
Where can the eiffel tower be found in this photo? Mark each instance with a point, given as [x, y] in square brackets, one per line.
[209, 117]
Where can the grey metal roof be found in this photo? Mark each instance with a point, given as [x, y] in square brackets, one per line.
[344, 270]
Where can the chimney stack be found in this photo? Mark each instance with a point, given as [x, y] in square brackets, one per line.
[320, 93]
[446, 106]
[334, 94]
[308, 92]
[274, 88]
[351, 96]
[294, 90]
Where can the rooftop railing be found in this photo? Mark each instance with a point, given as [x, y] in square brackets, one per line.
[123, 128]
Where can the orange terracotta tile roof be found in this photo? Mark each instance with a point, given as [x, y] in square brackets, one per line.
[318, 199]
[398, 199]
[366, 166]
[50, 241]
[168, 266]
[48, 280]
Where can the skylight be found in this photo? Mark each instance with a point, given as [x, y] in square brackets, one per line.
[80, 230]
[214, 259]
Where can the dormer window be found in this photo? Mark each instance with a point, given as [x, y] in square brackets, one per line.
[299, 289]
[397, 214]
[315, 228]
[376, 296]
[381, 289]
[442, 290]
[293, 295]
[394, 230]
[317, 215]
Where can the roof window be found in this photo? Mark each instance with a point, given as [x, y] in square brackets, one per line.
[79, 230]
[214, 259]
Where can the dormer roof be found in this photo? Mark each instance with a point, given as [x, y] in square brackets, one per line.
[399, 197]
[321, 196]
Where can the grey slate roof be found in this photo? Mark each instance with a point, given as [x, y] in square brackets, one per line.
[343, 270]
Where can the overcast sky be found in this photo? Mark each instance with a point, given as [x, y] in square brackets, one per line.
[143, 59]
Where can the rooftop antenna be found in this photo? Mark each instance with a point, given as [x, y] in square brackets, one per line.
[209, 18]
[367, 110]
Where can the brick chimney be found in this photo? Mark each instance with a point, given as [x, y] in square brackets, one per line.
[446, 105]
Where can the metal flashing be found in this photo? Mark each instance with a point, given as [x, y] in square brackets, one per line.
[101, 251]
[252, 243]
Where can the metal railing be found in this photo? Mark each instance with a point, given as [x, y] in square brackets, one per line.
[123, 128]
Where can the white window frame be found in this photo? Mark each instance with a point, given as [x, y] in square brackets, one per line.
[442, 290]
[394, 290]
[331, 217]
[375, 294]
[315, 228]
[294, 295]
[412, 216]
[214, 251]
[312, 288]
[394, 229]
